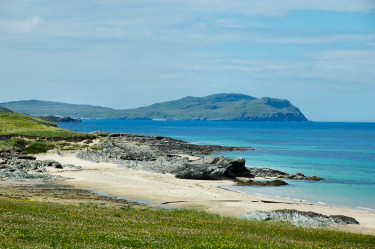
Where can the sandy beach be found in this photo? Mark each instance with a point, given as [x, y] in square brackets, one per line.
[197, 194]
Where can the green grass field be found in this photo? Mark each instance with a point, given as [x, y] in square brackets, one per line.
[30, 224]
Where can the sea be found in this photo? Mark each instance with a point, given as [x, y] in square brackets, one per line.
[342, 153]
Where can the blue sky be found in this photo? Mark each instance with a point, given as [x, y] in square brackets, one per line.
[125, 54]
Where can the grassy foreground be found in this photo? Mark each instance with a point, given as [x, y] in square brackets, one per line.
[31, 224]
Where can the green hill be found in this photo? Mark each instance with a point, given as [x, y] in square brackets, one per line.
[220, 107]
[5, 110]
[225, 106]
[44, 108]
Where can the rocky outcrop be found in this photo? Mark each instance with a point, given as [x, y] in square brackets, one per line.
[15, 165]
[300, 218]
[266, 172]
[249, 182]
[55, 119]
[219, 168]
[167, 155]
[152, 159]
[167, 145]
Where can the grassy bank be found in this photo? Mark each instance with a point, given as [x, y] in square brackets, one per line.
[20, 124]
[32, 135]
[30, 224]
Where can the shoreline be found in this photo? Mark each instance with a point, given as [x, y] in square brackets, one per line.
[297, 200]
[205, 195]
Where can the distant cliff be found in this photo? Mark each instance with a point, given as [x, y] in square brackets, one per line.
[224, 106]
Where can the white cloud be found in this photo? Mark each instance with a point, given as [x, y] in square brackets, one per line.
[344, 65]
[318, 39]
[20, 26]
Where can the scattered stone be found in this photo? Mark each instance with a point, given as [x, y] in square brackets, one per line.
[15, 165]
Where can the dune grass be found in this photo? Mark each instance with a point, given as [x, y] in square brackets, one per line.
[30, 224]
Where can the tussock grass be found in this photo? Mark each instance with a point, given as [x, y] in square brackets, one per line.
[30, 224]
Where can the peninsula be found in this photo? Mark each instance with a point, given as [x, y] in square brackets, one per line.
[224, 106]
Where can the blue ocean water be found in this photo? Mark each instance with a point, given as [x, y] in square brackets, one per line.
[343, 153]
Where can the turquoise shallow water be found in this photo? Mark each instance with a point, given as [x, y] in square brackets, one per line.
[343, 153]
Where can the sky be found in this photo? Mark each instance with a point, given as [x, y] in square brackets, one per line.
[320, 55]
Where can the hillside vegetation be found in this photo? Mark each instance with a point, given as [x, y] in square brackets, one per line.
[21, 124]
[225, 106]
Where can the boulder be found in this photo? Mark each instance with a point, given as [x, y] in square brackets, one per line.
[219, 168]
[300, 218]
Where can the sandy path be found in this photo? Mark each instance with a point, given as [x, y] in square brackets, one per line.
[205, 195]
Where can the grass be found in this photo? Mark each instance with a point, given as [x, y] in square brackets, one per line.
[20, 124]
[38, 133]
[31, 224]
[36, 146]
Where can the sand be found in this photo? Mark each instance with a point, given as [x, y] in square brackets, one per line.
[196, 194]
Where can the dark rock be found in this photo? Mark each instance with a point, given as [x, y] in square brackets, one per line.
[342, 219]
[260, 183]
[57, 165]
[59, 119]
[219, 169]
[266, 172]
[297, 176]
[314, 178]
[27, 157]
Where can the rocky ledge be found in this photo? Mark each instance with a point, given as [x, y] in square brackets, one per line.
[249, 182]
[300, 218]
[163, 145]
[267, 172]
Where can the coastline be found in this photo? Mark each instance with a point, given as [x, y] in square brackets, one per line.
[205, 195]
